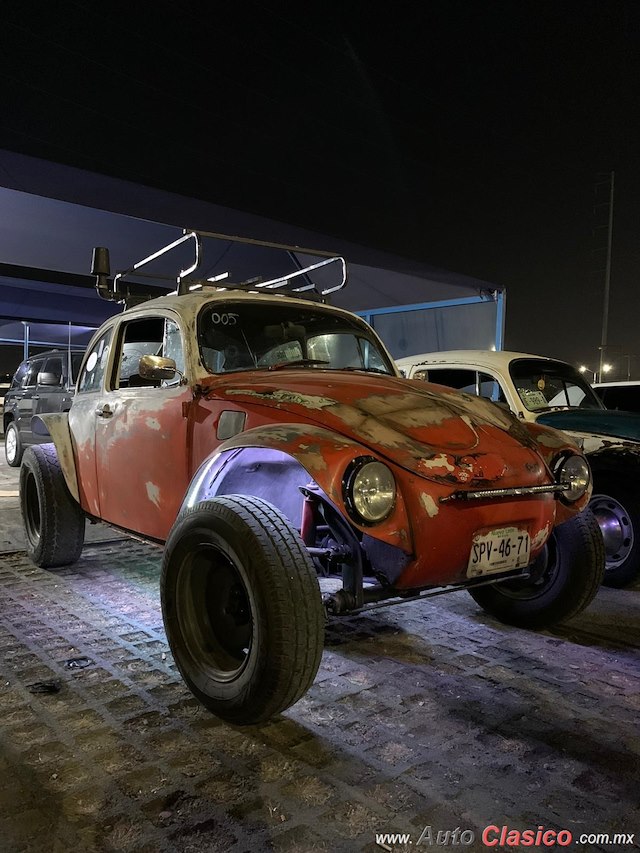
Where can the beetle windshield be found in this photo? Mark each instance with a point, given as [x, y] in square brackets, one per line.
[267, 335]
[544, 385]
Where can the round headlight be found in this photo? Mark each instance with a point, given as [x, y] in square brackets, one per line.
[574, 472]
[370, 491]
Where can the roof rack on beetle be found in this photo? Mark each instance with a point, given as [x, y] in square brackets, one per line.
[121, 288]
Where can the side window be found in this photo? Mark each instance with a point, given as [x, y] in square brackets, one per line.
[95, 365]
[149, 336]
[626, 399]
[464, 379]
[490, 388]
[20, 375]
[31, 379]
[372, 357]
[137, 338]
[461, 379]
[53, 366]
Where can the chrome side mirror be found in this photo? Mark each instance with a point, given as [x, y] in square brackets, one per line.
[157, 368]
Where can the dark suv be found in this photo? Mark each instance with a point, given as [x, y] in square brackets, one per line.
[43, 383]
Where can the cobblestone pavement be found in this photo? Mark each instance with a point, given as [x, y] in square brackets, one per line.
[426, 714]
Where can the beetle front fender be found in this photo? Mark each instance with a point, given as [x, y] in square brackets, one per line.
[57, 426]
[552, 443]
[274, 461]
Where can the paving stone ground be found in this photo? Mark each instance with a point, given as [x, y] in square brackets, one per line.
[426, 714]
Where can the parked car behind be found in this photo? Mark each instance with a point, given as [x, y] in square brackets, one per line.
[5, 384]
[42, 383]
[554, 393]
[624, 396]
[268, 439]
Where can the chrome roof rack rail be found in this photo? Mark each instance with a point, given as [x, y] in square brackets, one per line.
[131, 292]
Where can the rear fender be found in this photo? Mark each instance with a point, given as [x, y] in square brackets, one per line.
[57, 426]
[274, 461]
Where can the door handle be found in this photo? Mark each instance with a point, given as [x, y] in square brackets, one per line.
[104, 411]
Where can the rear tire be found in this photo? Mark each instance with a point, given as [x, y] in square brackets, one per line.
[53, 521]
[242, 608]
[617, 511]
[13, 449]
[564, 579]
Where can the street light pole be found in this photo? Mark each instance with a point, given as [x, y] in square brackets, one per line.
[607, 278]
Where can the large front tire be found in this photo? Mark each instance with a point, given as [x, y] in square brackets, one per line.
[562, 582]
[53, 521]
[242, 608]
[617, 511]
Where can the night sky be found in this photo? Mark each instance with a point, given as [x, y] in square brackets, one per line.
[467, 134]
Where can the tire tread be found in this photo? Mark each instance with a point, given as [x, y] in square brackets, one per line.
[62, 520]
[293, 587]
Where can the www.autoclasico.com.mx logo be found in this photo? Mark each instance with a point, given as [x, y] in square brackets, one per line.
[498, 836]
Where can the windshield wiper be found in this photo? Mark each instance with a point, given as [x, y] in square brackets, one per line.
[300, 362]
[555, 408]
[368, 370]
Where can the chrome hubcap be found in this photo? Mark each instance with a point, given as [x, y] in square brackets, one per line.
[616, 528]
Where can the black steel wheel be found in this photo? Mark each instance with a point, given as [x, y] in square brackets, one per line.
[13, 449]
[242, 608]
[562, 582]
[617, 511]
[53, 520]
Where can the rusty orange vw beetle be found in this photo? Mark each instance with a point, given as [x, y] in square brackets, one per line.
[268, 441]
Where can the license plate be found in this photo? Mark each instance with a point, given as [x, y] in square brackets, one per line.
[498, 551]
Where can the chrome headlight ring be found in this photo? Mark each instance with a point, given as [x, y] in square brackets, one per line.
[369, 490]
[572, 470]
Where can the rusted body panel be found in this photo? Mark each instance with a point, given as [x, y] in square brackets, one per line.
[325, 457]
[441, 436]
[472, 450]
[592, 444]
[418, 516]
[133, 464]
[148, 436]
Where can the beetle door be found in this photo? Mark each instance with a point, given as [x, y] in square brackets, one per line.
[141, 433]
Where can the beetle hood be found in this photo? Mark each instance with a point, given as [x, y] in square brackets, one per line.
[435, 432]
